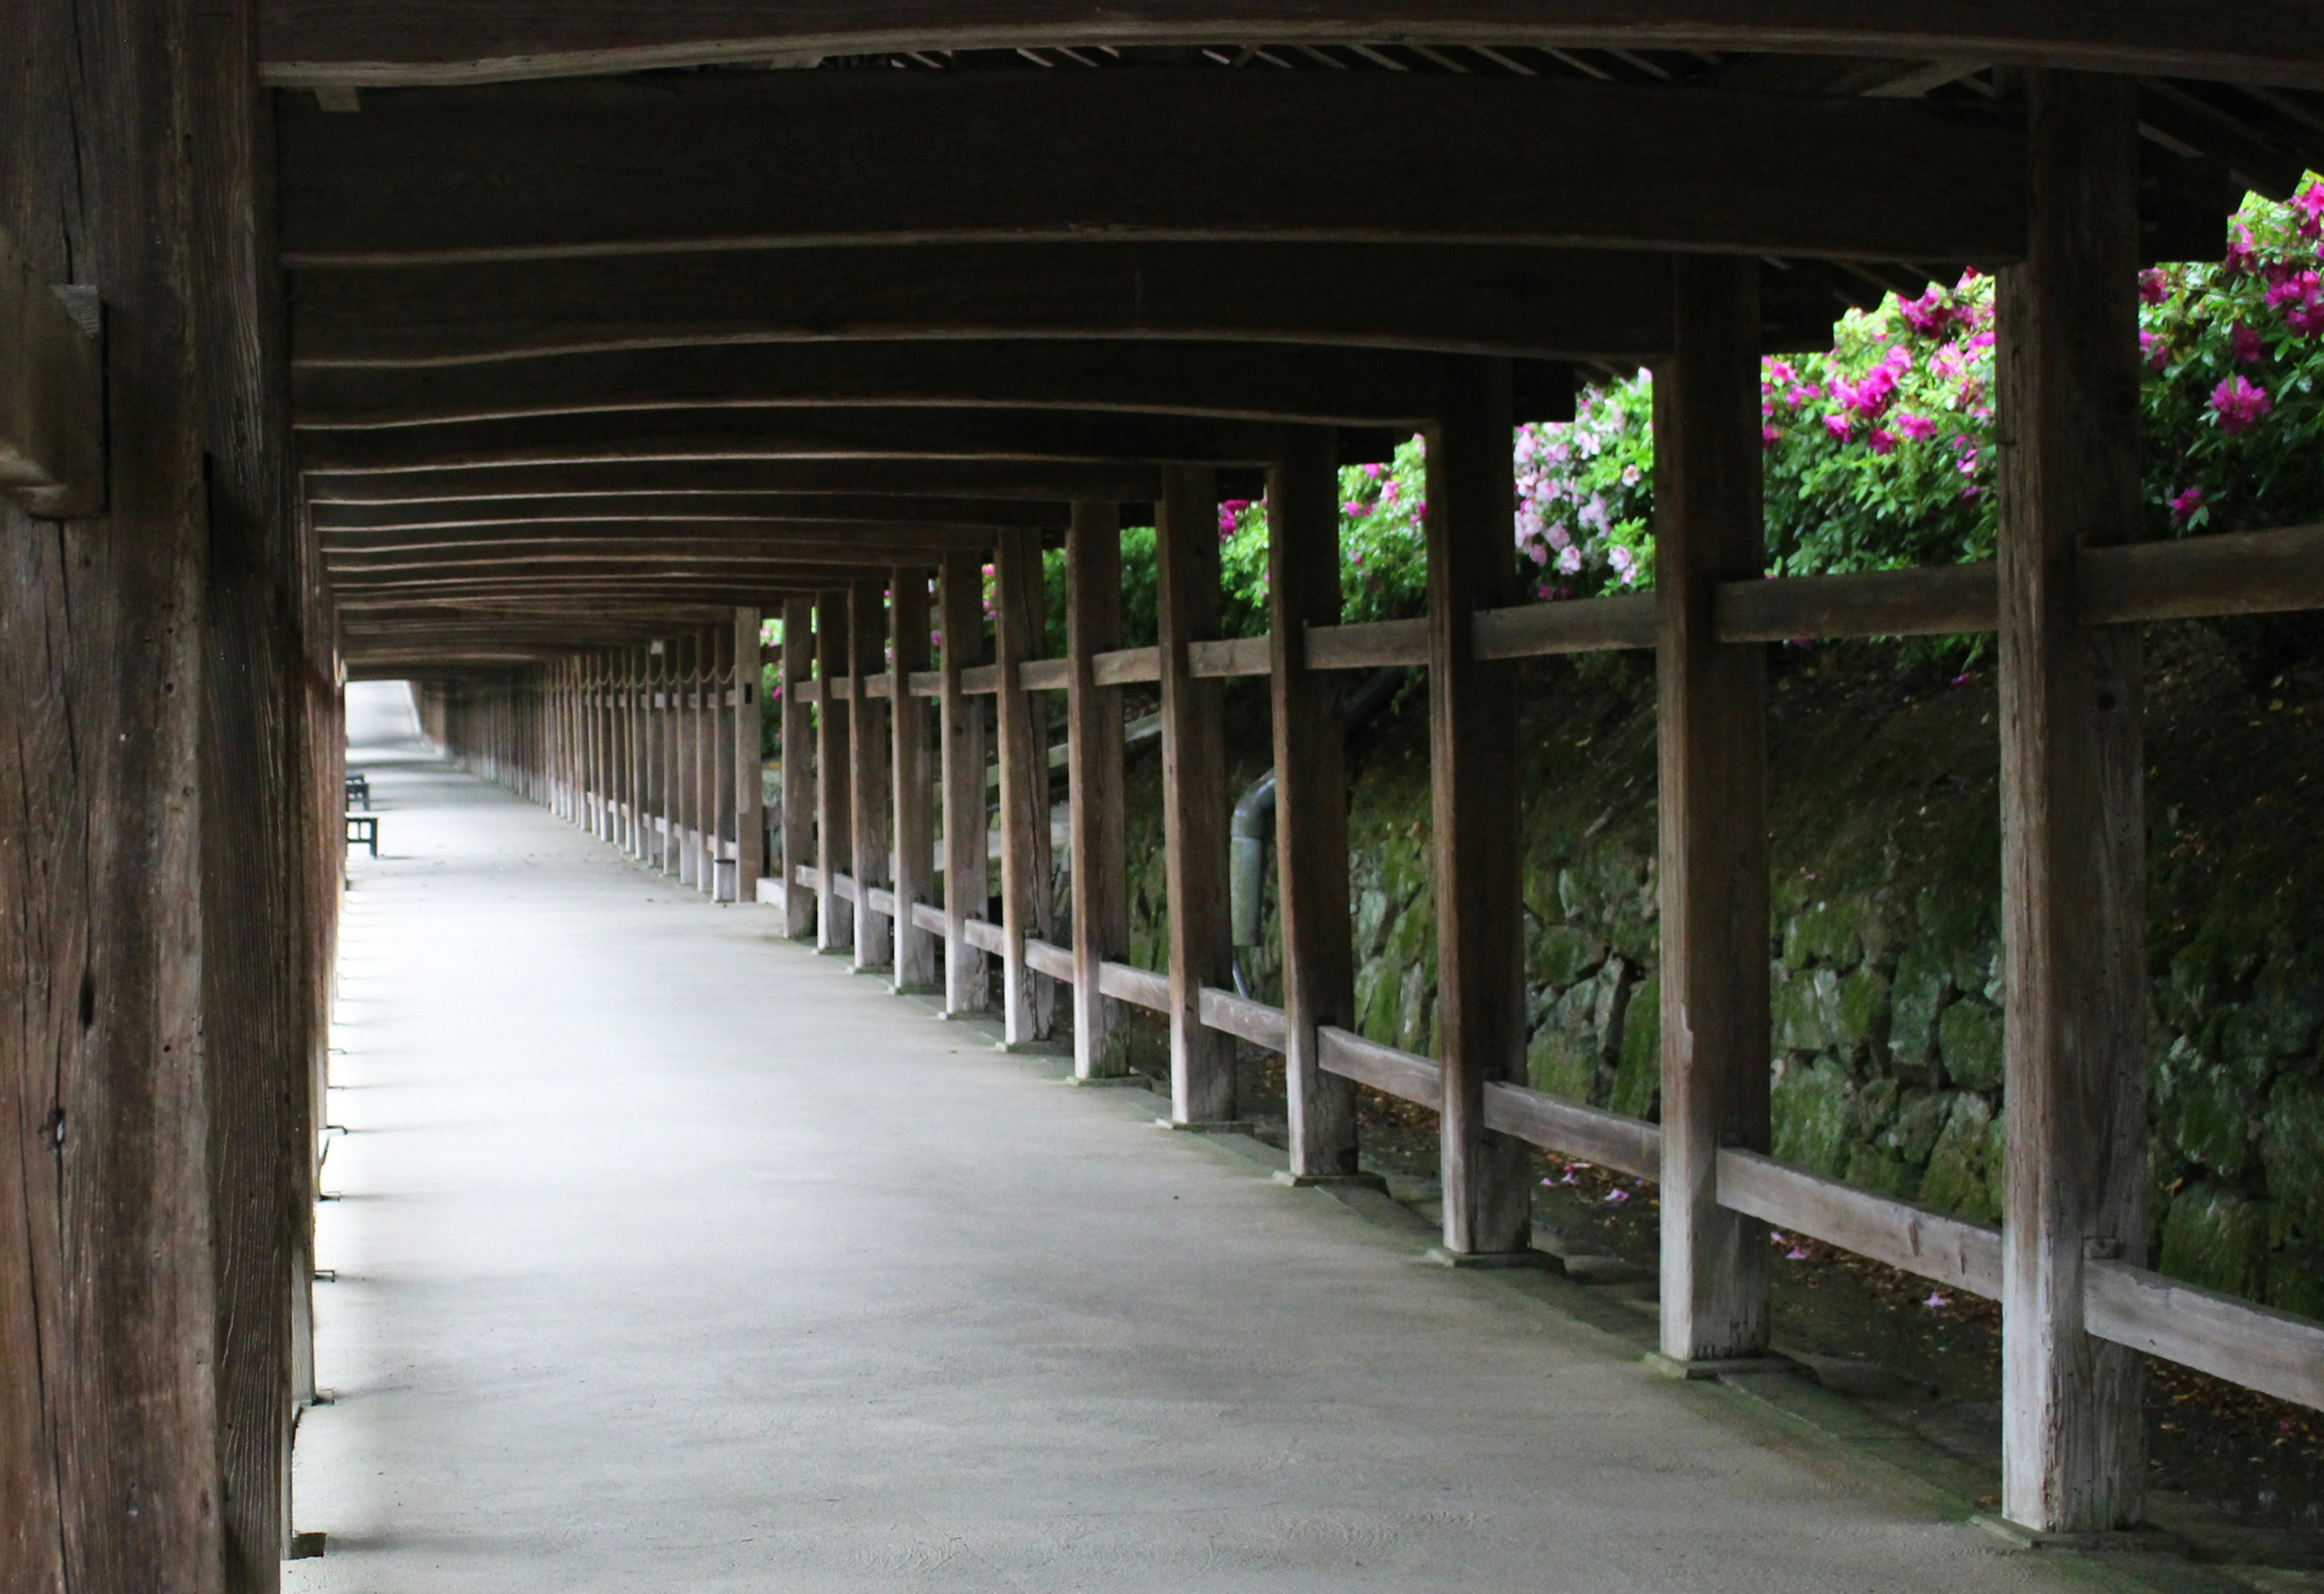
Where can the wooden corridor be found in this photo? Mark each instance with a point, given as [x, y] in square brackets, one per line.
[669, 1255]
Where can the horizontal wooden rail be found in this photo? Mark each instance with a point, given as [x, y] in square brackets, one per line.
[928, 918]
[807, 691]
[1127, 666]
[1383, 1068]
[984, 936]
[1594, 624]
[1963, 1256]
[1244, 1018]
[1934, 602]
[1141, 988]
[925, 683]
[1044, 674]
[1045, 958]
[843, 886]
[809, 877]
[982, 681]
[2244, 1343]
[1237, 655]
[2241, 573]
[1371, 645]
[882, 685]
[881, 900]
[1610, 1140]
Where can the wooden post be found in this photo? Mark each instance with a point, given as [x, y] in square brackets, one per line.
[2072, 819]
[871, 775]
[650, 759]
[1194, 802]
[798, 843]
[1099, 863]
[1310, 802]
[748, 760]
[1028, 1000]
[709, 700]
[640, 759]
[1712, 719]
[685, 782]
[960, 720]
[726, 850]
[835, 924]
[915, 792]
[1476, 798]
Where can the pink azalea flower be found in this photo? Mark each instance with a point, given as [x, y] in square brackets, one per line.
[1781, 371]
[1840, 426]
[1617, 1196]
[2286, 286]
[1795, 1256]
[2307, 317]
[1919, 428]
[2184, 507]
[1929, 315]
[2239, 405]
[2248, 349]
[1623, 560]
[1558, 536]
[1769, 436]
[2241, 258]
[2156, 350]
[1935, 1301]
[2310, 203]
[2153, 287]
[1882, 440]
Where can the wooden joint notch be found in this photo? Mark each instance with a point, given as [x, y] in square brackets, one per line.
[51, 392]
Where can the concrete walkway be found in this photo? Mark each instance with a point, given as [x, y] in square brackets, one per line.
[673, 1257]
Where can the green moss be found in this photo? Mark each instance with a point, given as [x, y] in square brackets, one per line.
[2211, 1122]
[1831, 932]
[2215, 1238]
[1864, 1009]
[1968, 1038]
[1804, 1005]
[1965, 1164]
[1639, 1077]
[1810, 1107]
[1561, 954]
[2295, 1281]
[2291, 1146]
[1563, 1063]
[1918, 996]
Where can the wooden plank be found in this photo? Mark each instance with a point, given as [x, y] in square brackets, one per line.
[1934, 1245]
[1597, 305]
[1402, 1074]
[983, 681]
[810, 692]
[984, 936]
[1027, 999]
[2240, 573]
[1194, 798]
[914, 770]
[931, 919]
[1229, 656]
[1097, 820]
[2258, 1347]
[1003, 482]
[960, 723]
[547, 170]
[1044, 675]
[670, 504]
[1627, 1145]
[2073, 820]
[1934, 602]
[809, 876]
[870, 773]
[1128, 666]
[311, 43]
[1594, 624]
[1239, 1016]
[1311, 801]
[834, 758]
[1712, 721]
[1128, 983]
[925, 683]
[1055, 961]
[843, 887]
[52, 397]
[1370, 644]
[881, 899]
[839, 689]
[1478, 824]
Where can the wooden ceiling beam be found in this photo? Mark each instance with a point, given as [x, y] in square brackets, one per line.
[1456, 298]
[681, 513]
[1004, 482]
[351, 566]
[548, 169]
[309, 43]
[351, 549]
[1307, 385]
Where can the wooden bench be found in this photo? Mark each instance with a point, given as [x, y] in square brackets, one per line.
[364, 828]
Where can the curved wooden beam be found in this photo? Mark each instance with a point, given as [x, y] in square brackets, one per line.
[311, 43]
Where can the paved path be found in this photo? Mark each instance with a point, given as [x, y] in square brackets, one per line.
[671, 1257]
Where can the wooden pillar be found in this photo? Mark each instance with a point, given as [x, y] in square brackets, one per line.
[915, 791]
[748, 759]
[1311, 801]
[870, 775]
[960, 722]
[2073, 856]
[835, 924]
[795, 668]
[640, 689]
[725, 807]
[1476, 798]
[1712, 720]
[1028, 1000]
[686, 683]
[709, 698]
[1098, 826]
[1195, 806]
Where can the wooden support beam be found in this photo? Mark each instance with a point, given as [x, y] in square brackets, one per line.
[1028, 1000]
[1712, 719]
[679, 512]
[799, 819]
[52, 396]
[1099, 824]
[870, 775]
[2073, 825]
[1478, 820]
[746, 762]
[639, 733]
[835, 928]
[545, 171]
[914, 769]
[1597, 304]
[552, 541]
[1001, 481]
[1195, 799]
[1310, 803]
[960, 720]
[1284, 381]
[309, 43]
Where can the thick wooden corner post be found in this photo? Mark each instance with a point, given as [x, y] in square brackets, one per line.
[1028, 1000]
[1712, 717]
[914, 770]
[748, 762]
[795, 668]
[1476, 799]
[1311, 801]
[1098, 823]
[1195, 801]
[834, 925]
[960, 720]
[872, 776]
[2073, 864]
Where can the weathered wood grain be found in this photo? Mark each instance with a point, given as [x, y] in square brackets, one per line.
[1228, 657]
[1001, 482]
[1592, 624]
[1933, 602]
[1127, 666]
[52, 397]
[1401, 1074]
[1569, 1128]
[1027, 998]
[2243, 573]
[913, 767]
[1239, 1016]
[1370, 644]
[2258, 1347]
[1934, 1244]
[871, 773]
[833, 759]
[1096, 816]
